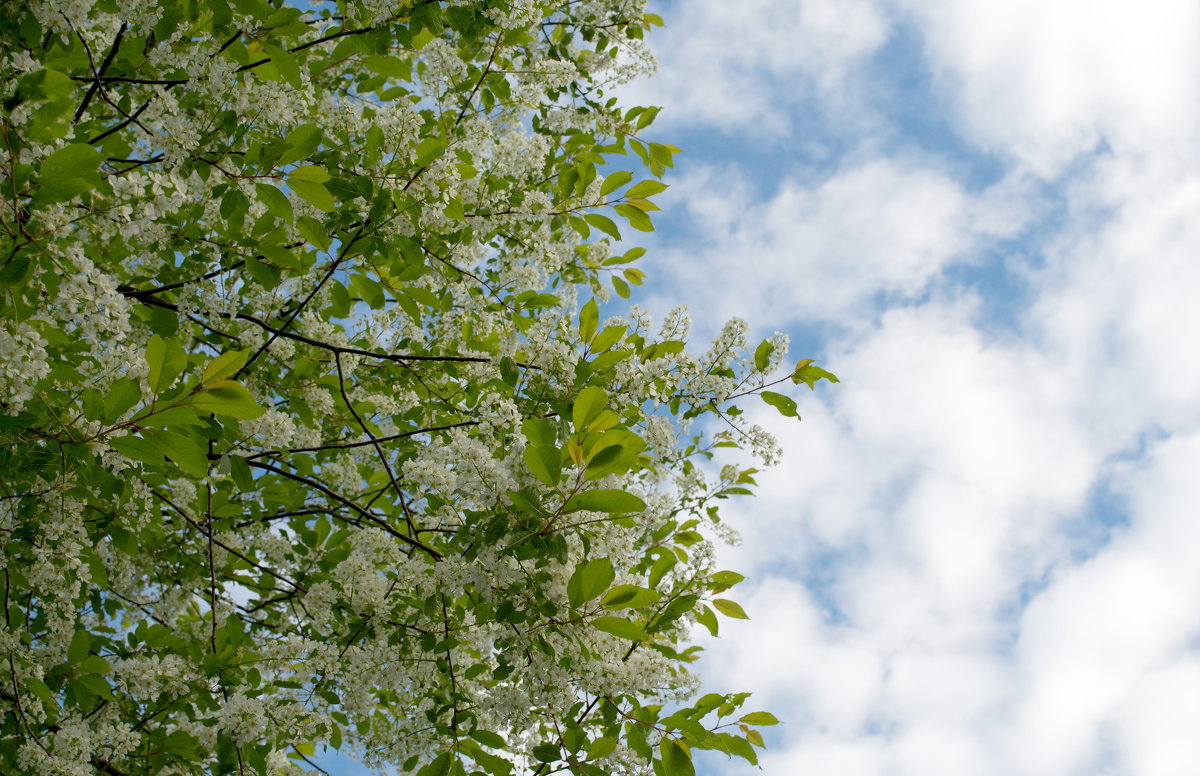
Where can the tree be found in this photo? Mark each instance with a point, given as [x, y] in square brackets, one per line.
[308, 440]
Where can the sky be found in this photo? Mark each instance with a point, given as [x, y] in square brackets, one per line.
[981, 553]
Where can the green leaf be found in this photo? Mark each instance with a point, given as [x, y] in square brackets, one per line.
[97, 685]
[621, 287]
[314, 193]
[762, 355]
[188, 453]
[276, 201]
[488, 738]
[547, 753]
[629, 597]
[785, 404]
[589, 319]
[545, 463]
[121, 396]
[708, 619]
[620, 627]
[636, 217]
[429, 149]
[67, 173]
[540, 432]
[166, 359]
[646, 188]
[225, 397]
[302, 141]
[604, 501]
[809, 374]
[759, 718]
[601, 747]
[16, 271]
[390, 67]
[41, 690]
[286, 63]
[723, 580]
[309, 172]
[225, 365]
[730, 608]
[264, 274]
[588, 404]
[92, 664]
[589, 580]
[137, 448]
[608, 337]
[604, 224]
[676, 759]
[313, 231]
[615, 181]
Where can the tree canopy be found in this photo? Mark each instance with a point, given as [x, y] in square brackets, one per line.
[313, 431]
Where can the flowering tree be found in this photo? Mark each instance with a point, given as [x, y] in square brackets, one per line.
[306, 437]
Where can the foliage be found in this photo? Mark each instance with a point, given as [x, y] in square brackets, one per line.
[307, 440]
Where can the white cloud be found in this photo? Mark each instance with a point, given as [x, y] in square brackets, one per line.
[932, 588]
[743, 66]
[1047, 81]
[823, 251]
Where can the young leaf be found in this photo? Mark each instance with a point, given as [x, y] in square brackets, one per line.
[166, 360]
[589, 318]
[589, 580]
[762, 355]
[314, 193]
[629, 597]
[785, 404]
[636, 217]
[67, 173]
[676, 759]
[730, 608]
[809, 374]
[225, 397]
[276, 201]
[614, 182]
[588, 404]
[225, 365]
[545, 463]
[646, 188]
[604, 501]
[620, 627]
[604, 224]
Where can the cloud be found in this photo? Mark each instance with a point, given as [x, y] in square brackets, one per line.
[1047, 82]
[978, 555]
[742, 67]
[824, 251]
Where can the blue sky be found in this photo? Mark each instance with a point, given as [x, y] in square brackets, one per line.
[979, 553]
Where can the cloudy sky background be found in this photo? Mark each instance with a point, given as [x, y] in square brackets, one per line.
[981, 554]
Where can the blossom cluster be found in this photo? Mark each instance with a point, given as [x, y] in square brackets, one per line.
[310, 430]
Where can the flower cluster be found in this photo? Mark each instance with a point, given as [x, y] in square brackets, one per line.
[311, 431]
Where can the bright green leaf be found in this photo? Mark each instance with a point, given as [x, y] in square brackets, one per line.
[604, 501]
[225, 397]
[620, 627]
[762, 355]
[730, 608]
[629, 597]
[785, 404]
[646, 188]
[166, 359]
[589, 580]
[68, 172]
[615, 181]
